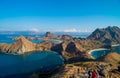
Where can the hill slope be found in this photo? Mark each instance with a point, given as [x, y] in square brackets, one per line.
[107, 35]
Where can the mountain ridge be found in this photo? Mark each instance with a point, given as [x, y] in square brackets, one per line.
[109, 35]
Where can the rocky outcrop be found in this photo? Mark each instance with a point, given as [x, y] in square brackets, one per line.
[109, 35]
[49, 35]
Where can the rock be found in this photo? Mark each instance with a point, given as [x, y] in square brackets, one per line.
[50, 35]
[107, 35]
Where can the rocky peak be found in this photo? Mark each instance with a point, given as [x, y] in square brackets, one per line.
[23, 40]
[111, 35]
[21, 46]
[49, 35]
[66, 37]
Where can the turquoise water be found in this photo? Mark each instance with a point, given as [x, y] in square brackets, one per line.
[28, 63]
[99, 53]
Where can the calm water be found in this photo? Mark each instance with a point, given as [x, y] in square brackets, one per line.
[29, 63]
[98, 53]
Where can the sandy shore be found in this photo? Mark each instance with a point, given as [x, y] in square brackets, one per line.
[115, 45]
[96, 50]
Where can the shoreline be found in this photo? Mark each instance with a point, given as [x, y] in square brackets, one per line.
[96, 50]
[89, 52]
[115, 45]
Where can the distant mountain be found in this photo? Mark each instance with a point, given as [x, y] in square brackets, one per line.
[50, 35]
[65, 37]
[107, 35]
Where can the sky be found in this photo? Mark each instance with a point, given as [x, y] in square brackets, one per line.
[58, 15]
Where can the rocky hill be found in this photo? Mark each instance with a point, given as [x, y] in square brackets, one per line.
[65, 37]
[23, 45]
[76, 50]
[107, 35]
[49, 35]
[112, 58]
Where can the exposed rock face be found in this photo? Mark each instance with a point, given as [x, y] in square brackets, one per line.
[49, 35]
[107, 35]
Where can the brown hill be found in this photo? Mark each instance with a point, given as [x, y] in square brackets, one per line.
[21, 46]
[49, 35]
[107, 35]
[44, 46]
[112, 58]
[71, 50]
[65, 37]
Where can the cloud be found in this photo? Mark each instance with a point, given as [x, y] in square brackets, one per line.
[75, 30]
[71, 30]
[34, 30]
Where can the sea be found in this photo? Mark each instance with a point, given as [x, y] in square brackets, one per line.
[21, 66]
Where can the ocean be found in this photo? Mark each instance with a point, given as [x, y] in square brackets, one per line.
[20, 65]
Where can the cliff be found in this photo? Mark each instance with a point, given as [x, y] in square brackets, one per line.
[109, 35]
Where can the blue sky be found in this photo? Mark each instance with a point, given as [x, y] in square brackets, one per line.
[58, 15]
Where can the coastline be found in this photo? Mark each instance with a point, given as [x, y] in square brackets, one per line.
[96, 50]
[115, 45]
[89, 52]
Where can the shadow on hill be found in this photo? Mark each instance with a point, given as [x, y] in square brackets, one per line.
[58, 48]
[79, 59]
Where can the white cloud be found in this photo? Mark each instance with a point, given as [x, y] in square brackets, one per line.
[34, 30]
[71, 30]
[75, 30]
